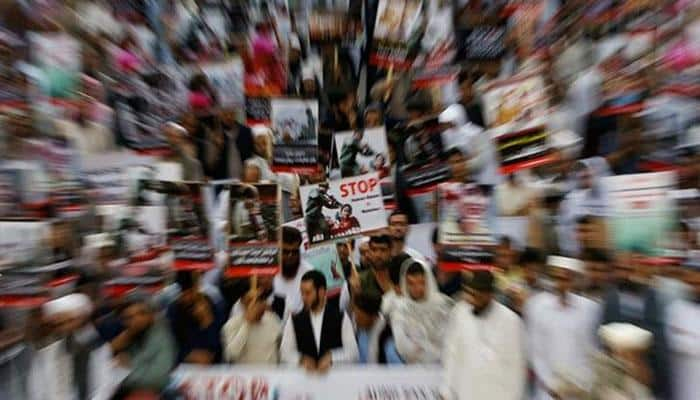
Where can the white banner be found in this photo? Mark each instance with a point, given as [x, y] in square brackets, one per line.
[345, 383]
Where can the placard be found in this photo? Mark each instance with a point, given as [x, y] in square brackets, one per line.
[362, 151]
[324, 258]
[343, 208]
[484, 43]
[396, 32]
[295, 131]
[254, 234]
[23, 191]
[226, 78]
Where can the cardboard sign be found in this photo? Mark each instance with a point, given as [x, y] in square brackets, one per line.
[396, 32]
[325, 259]
[23, 191]
[22, 243]
[254, 234]
[344, 208]
[641, 209]
[257, 110]
[226, 78]
[361, 152]
[295, 130]
[188, 224]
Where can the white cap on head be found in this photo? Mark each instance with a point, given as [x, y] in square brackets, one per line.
[567, 263]
[567, 141]
[454, 114]
[621, 336]
[176, 127]
[261, 130]
[75, 304]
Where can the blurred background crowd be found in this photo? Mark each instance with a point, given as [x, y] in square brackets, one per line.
[571, 129]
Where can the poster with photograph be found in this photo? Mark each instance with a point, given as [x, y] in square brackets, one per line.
[642, 210]
[23, 191]
[344, 208]
[22, 243]
[438, 43]
[330, 26]
[254, 229]
[257, 110]
[59, 57]
[187, 221]
[397, 31]
[325, 259]
[226, 78]
[363, 151]
[294, 126]
[463, 215]
[107, 176]
[424, 167]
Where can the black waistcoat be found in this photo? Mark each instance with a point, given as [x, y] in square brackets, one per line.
[331, 333]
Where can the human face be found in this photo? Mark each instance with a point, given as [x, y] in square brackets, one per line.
[251, 174]
[362, 319]
[137, 318]
[346, 212]
[563, 280]
[531, 272]
[342, 250]
[311, 296]
[372, 119]
[504, 257]
[265, 282]
[380, 255]
[365, 253]
[585, 233]
[416, 286]
[261, 145]
[398, 226]
[478, 298]
[692, 278]
[228, 117]
[585, 179]
[458, 167]
[290, 258]
[597, 273]
[624, 268]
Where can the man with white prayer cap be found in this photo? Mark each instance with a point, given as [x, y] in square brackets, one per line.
[74, 363]
[561, 333]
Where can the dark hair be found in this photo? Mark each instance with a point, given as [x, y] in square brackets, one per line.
[316, 277]
[434, 237]
[198, 82]
[396, 212]
[584, 219]
[531, 255]
[380, 239]
[346, 205]
[291, 235]
[418, 102]
[186, 280]
[368, 303]
[504, 241]
[415, 269]
[344, 243]
[596, 255]
[454, 151]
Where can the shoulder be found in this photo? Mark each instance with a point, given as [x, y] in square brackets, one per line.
[505, 314]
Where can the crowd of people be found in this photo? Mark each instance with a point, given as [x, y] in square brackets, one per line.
[587, 288]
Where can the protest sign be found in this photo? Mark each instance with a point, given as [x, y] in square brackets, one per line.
[22, 243]
[346, 382]
[424, 167]
[226, 78]
[396, 33]
[254, 222]
[188, 225]
[23, 191]
[325, 259]
[485, 42]
[362, 151]
[257, 110]
[464, 226]
[516, 110]
[642, 210]
[295, 131]
[107, 176]
[438, 42]
[59, 57]
[344, 208]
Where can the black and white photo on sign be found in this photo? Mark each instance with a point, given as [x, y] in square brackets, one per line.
[343, 208]
[397, 20]
[294, 121]
[362, 151]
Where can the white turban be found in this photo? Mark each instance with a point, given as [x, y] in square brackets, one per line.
[75, 304]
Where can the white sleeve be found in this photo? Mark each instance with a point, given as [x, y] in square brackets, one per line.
[234, 337]
[289, 354]
[515, 363]
[349, 352]
[680, 339]
[537, 344]
[450, 363]
[406, 346]
[344, 298]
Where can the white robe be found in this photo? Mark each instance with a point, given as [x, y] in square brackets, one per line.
[683, 334]
[484, 357]
[561, 340]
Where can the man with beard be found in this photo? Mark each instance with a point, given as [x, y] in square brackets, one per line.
[631, 300]
[683, 329]
[561, 333]
[285, 285]
[145, 347]
[484, 353]
[398, 229]
[320, 335]
[420, 316]
[376, 280]
[597, 273]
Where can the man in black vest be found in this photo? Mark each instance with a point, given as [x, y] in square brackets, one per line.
[319, 336]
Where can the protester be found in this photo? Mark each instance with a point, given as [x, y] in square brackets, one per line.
[420, 316]
[561, 333]
[375, 340]
[479, 365]
[375, 281]
[399, 230]
[285, 285]
[252, 337]
[145, 347]
[682, 330]
[319, 336]
[598, 265]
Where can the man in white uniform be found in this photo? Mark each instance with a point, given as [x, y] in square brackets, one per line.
[484, 355]
[561, 329]
[683, 331]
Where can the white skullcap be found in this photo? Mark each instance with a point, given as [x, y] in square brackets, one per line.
[98, 240]
[76, 304]
[625, 336]
[567, 263]
[307, 72]
[294, 42]
[261, 130]
[567, 141]
[176, 127]
[453, 114]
